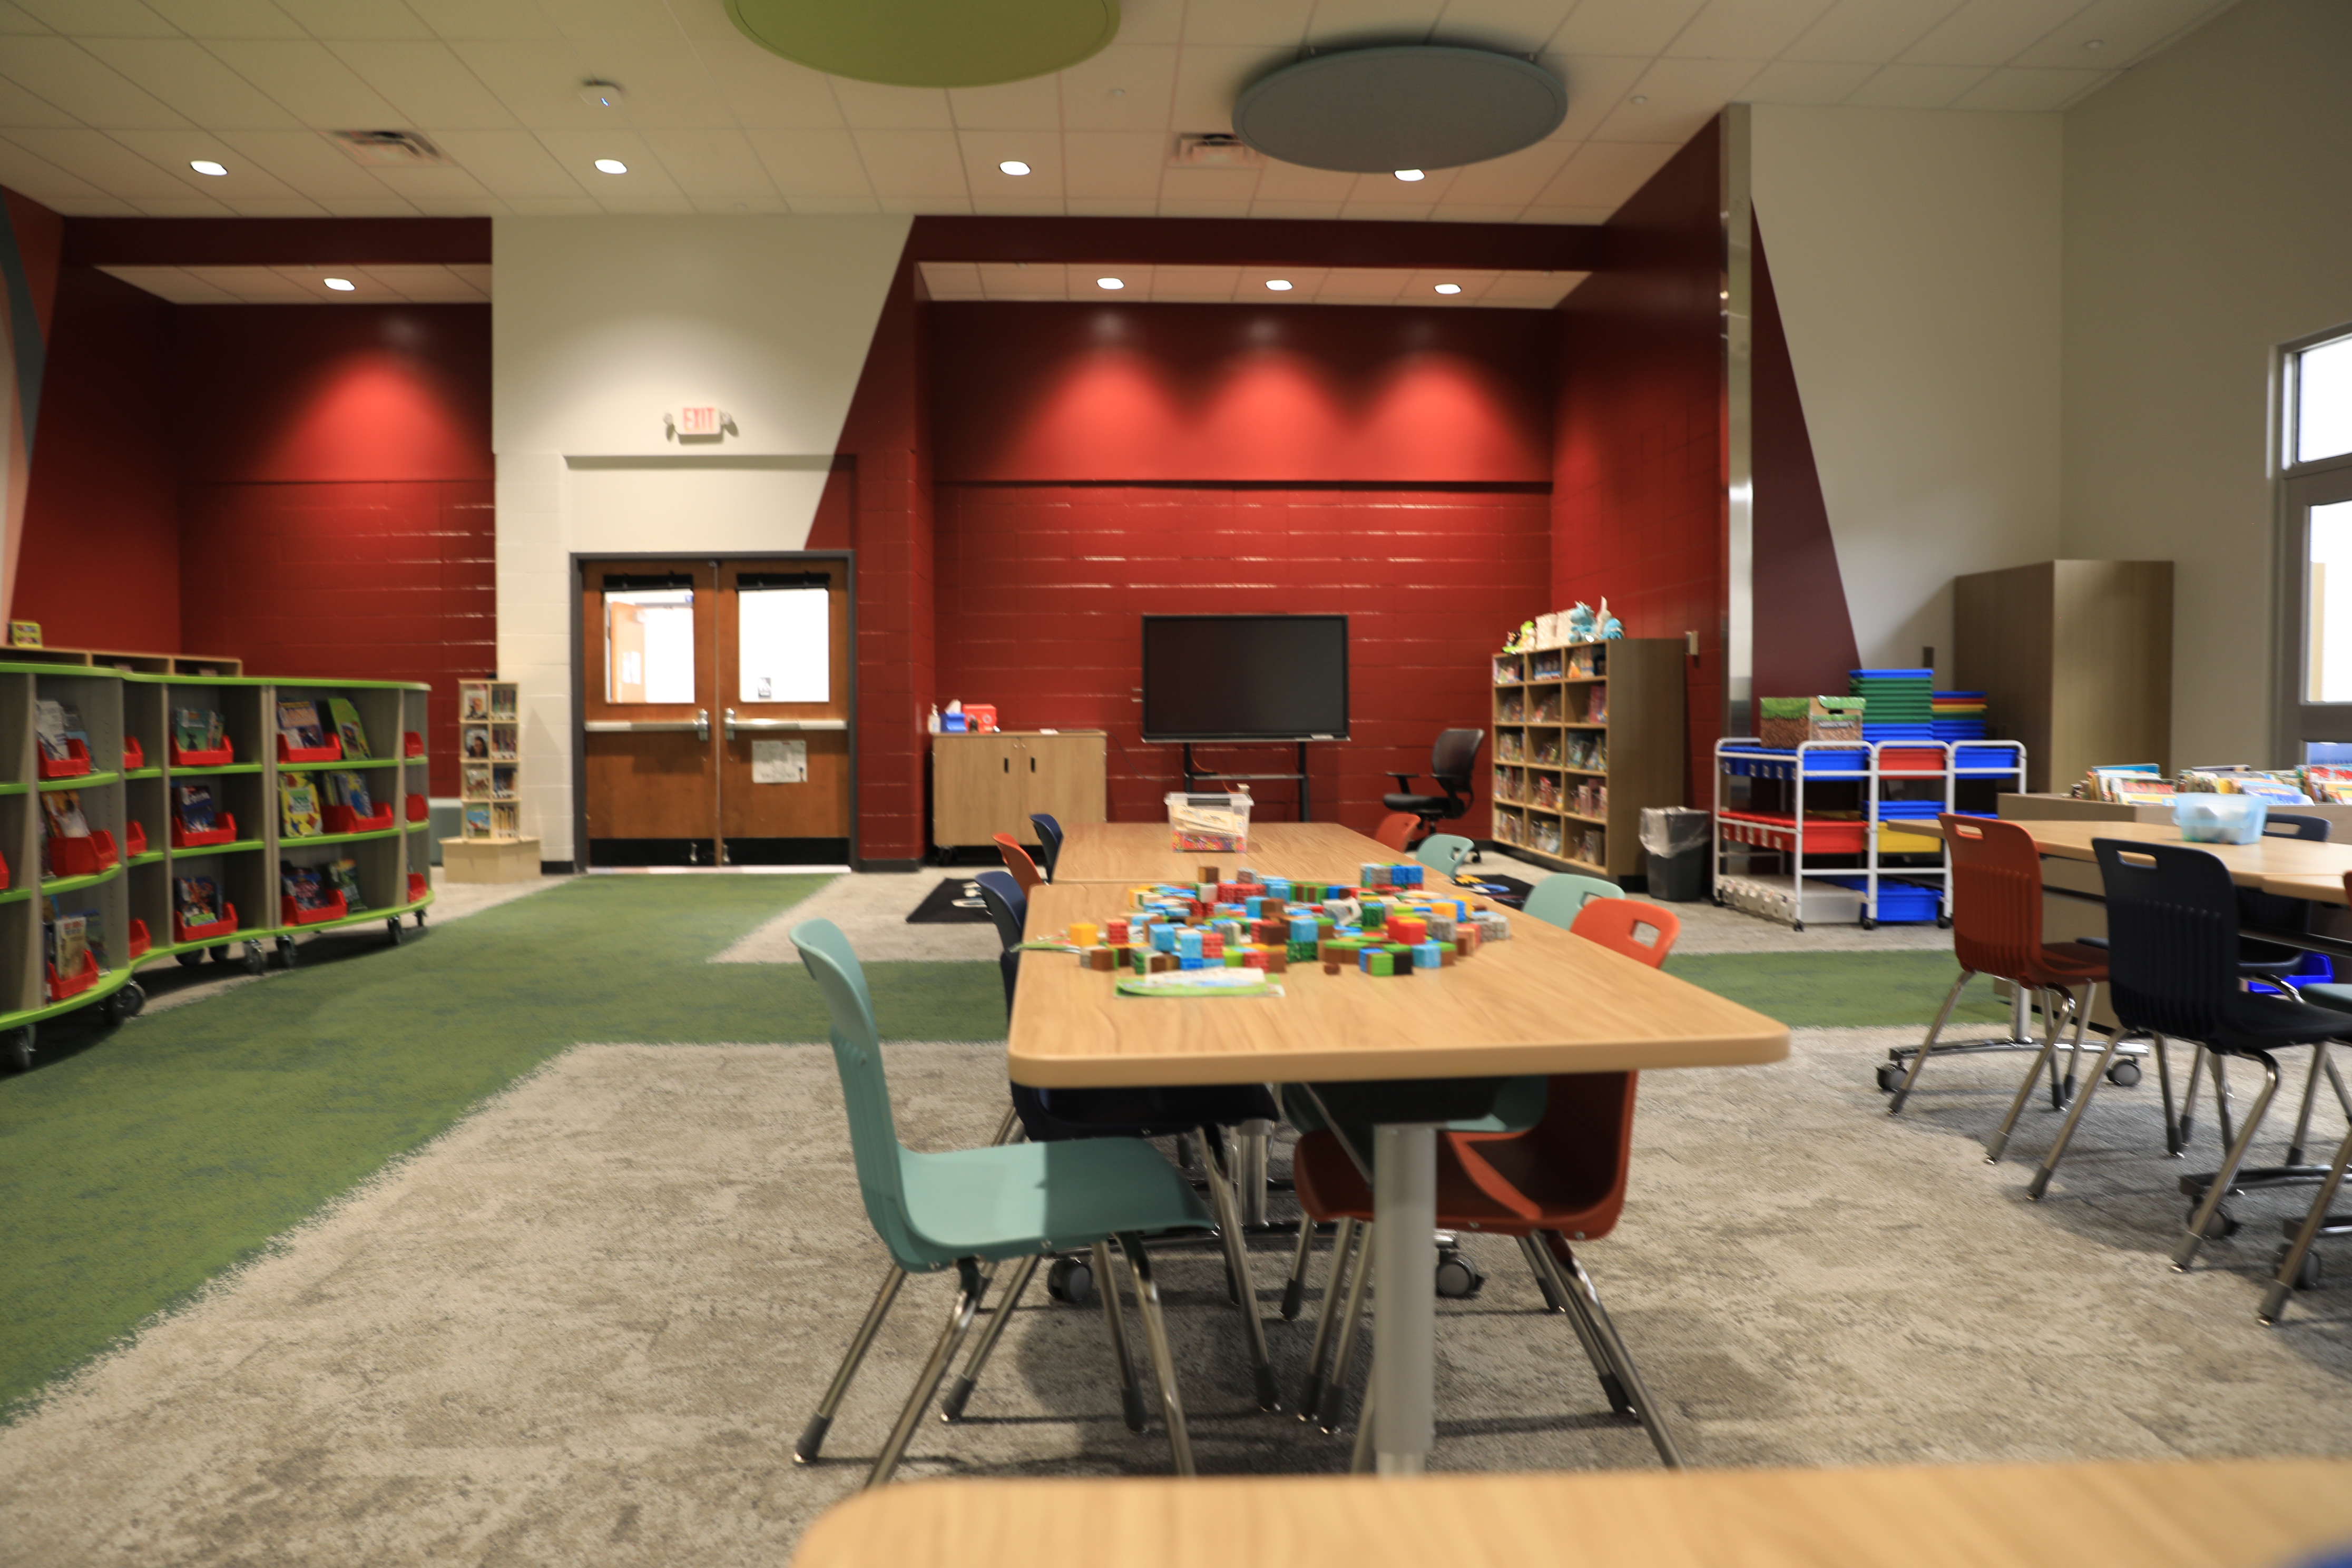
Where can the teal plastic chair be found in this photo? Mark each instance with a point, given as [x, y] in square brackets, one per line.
[968, 1207]
[1557, 899]
[1444, 853]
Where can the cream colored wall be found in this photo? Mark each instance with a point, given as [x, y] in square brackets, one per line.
[2208, 219]
[1916, 256]
[599, 327]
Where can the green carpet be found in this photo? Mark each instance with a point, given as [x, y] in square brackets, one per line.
[1840, 990]
[139, 1168]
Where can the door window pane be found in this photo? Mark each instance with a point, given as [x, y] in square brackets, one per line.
[785, 638]
[2328, 576]
[649, 646]
[2323, 401]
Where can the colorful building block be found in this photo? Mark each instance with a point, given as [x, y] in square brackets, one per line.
[1428, 955]
[1083, 933]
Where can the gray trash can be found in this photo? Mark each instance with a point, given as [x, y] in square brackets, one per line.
[1675, 838]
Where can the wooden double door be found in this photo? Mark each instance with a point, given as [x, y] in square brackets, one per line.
[715, 725]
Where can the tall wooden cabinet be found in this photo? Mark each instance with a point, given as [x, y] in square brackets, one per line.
[983, 785]
[1585, 736]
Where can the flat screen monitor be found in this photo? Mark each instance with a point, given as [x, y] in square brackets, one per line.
[1244, 678]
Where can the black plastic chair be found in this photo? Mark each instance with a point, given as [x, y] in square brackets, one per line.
[1450, 762]
[1049, 839]
[2173, 968]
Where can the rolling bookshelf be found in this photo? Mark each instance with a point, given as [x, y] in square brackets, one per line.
[1585, 736]
[122, 877]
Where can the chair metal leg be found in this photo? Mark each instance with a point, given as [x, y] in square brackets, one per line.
[1164, 1361]
[1547, 1268]
[1294, 1290]
[1343, 1246]
[959, 1391]
[1552, 1303]
[812, 1443]
[2194, 1237]
[2172, 1141]
[1131, 1390]
[2055, 1021]
[1583, 1296]
[2188, 1099]
[1009, 1130]
[2041, 1183]
[2302, 1138]
[2274, 1299]
[2222, 1096]
[1335, 1390]
[970, 1285]
[2045, 1059]
[2081, 1009]
[1951, 1000]
[1252, 1140]
[1229, 1227]
[1359, 1461]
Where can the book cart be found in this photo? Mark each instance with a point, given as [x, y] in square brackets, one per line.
[138, 851]
[1833, 817]
[1586, 735]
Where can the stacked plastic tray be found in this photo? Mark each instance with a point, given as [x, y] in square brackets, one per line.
[1958, 716]
[1899, 704]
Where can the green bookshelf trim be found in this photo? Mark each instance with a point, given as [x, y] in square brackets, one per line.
[285, 842]
[15, 895]
[74, 884]
[363, 917]
[233, 847]
[208, 772]
[153, 857]
[13, 789]
[346, 762]
[140, 773]
[86, 781]
[107, 984]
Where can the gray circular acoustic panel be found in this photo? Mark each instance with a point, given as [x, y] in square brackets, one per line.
[1422, 106]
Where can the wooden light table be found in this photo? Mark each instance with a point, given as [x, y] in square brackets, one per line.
[1131, 852]
[1542, 1002]
[2255, 865]
[2227, 1513]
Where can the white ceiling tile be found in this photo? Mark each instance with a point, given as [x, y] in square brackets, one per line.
[1275, 24]
[868, 106]
[1805, 82]
[1203, 209]
[172, 151]
[1356, 24]
[1989, 32]
[313, 85]
[766, 93]
[307, 284]
[617, 21]
[514, 163]
[430, 284]
[274, 207]
[711, 165]
[2125, 31]
[170, 283]
[181, 73]
[428, 186]
[984, 150]
[1363, 285]
[14, 21]
[1515, 177]
[1916, 87]
[337, 20]
[175, 206]
[769, 205]
[987, 205]
[99, 18]
[665, 83]
[1194, 282]
[1596, 85]
[809, 165]
[1623, 26]
[961, 278]
[303, 160]
[1122, 165]
[1152, 21]
[1127, 87]
[1533, 287]
[576, 152]
[926, 206]
[2032, 90]
[20, 107]
[84, 86]
[426, 82]
[1746, 29]
[1281, 182]
[912, 164]
[538, 79]
[27, 172]
[1387, 212]
[834, 206]
[477, 273]
[103, 162]
[1304, 281]
[1569, 216]
[1683, 95]
[1869, 32]
[555, 206]
[1209, 79]
[1515, 27]
[386, 206]
[1219, 186]
[457, 20]
[1604, 174]
[228, 19]
[1032, 105]
[1110, 207]
[1461, 212]
[1387, 190]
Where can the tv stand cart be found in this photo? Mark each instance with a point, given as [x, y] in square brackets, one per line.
[1194, 776]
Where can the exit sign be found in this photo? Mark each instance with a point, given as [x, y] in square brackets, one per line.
[698, 421]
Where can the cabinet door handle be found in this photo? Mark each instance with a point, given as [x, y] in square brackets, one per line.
[1008, 764]
[1033, 765]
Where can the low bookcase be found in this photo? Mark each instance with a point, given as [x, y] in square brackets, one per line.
[136, 769]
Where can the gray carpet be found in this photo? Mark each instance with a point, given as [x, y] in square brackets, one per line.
[586, 1326]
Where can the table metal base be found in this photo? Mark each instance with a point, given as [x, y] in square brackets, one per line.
[1404, 1261]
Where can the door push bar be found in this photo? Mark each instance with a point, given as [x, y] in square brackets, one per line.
[700, 724]
[733, 724]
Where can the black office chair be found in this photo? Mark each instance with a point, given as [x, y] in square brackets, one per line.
[1450, 761]
[1049, 839]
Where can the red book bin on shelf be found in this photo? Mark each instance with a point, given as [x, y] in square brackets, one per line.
[418, 886]
[339, 820]
[74, 765]
[225, 926]
[224, 834]
[140, 940]
[82, 857]
[218, 756]
[74, 984]
[333, 751]
[134, 756]
[290, 916]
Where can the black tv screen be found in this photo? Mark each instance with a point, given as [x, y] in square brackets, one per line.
[1244, 678]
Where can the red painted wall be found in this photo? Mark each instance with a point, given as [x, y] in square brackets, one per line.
[1638, 450]
[100, 560]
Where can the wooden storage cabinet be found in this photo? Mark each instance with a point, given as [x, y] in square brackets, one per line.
[983, 785]
[1585, 736]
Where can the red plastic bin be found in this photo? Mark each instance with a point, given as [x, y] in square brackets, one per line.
[76, 983]
[134, 756]
[140, 940]
[290, 916]
[419, 809]
[411, 744]
[74, 765]
[339, 819]
[81, 857]
[1771, 830]
[333, 751]
[225, 926]
[4, 871]
[418, 886]
[219, 756]
[224, 834]
[135, 839]
[1928, 760]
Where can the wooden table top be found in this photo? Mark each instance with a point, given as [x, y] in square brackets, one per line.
[2285, 866]
[1129, 852]
[1542, 1002]
[2233, 1513]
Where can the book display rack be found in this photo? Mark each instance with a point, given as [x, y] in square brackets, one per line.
[1585, 736]
[490, 736]
[142, 817]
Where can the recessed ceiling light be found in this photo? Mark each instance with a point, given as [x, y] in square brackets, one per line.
[340, 284]
[1449, 287]
[601, 94]
[1111, 282]
[1013, 166]
[1410, 175]
[1279, 285]
[207, 166]
[611, 166]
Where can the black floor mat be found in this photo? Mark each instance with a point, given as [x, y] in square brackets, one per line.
[955, 901]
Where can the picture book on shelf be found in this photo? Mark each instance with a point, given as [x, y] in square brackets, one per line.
[61, 809]
[502, 783]
[93, 933]
[298, 722]
[303, 885]
[197, 901]
[477, 778]
[502, 703]
[477, 704]
[297, 806]
[195, 804]
[478, 821]
[347, 725]
[68, 940]
[50, 729]
[503, 743]
[198, 729]
[476, 743]
[344, 877]
[350, 791]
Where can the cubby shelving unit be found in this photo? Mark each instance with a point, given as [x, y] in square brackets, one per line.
[127, 797]
[1585, 736]
[489, 785]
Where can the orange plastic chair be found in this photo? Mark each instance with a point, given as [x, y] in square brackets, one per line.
[1563, 1176]
[1396, 830]
[1016, 860]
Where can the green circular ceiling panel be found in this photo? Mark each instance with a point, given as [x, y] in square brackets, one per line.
[930, 43]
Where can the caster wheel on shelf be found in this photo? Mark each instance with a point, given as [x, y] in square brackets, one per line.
[1458, 1279]
[255, 962]
[420, 919]
[1943, 923]
[1071, 1281]
[286, 952]
[2123, 1075]
[2306, 1273]
[2222, 1224]
[110, 1009]
[190, 960]
[1796, 925]
[393, 926]
[16, 1049]
[1869, 923]
[1890, 1078]
[133, 998]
